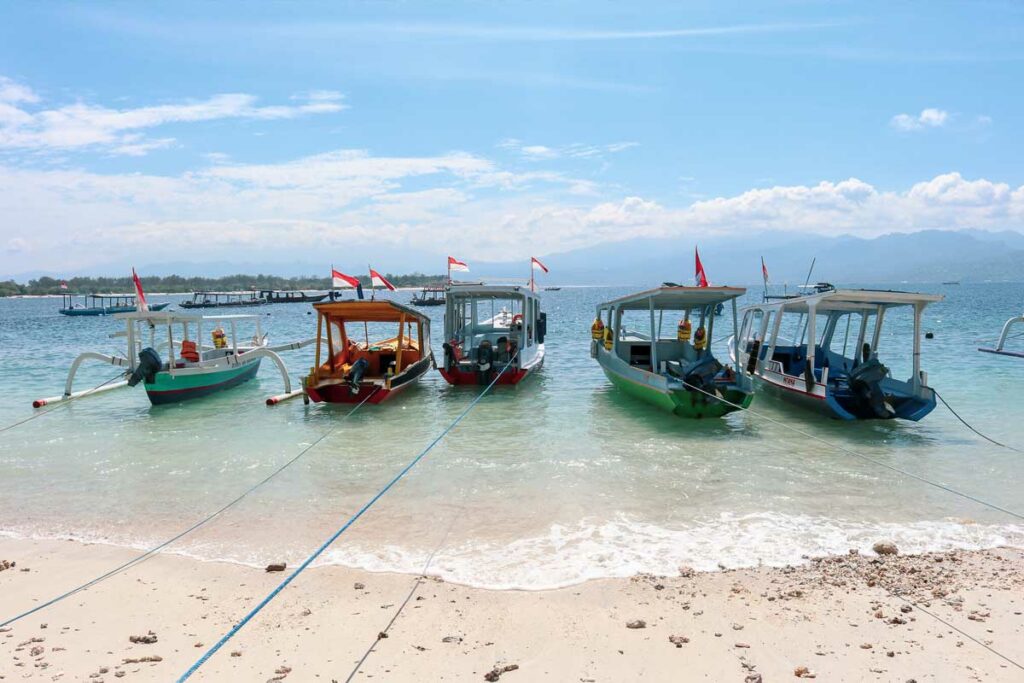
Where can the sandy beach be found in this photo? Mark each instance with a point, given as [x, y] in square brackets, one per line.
[833, 618]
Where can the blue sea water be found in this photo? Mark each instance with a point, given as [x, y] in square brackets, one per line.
[553, 482]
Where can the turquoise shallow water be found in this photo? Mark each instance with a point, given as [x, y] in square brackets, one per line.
[559, 480]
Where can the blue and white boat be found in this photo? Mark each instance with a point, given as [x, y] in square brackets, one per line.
[823, 350]
[103, 304]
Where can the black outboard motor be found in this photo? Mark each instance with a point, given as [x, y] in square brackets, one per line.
[865, 383]
[355, 375]
[542, 327]
[449, 355]
[701, 375]
[149, 365]
[484, 361]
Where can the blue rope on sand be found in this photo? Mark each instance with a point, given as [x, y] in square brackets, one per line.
[326, 544]
[201, 523]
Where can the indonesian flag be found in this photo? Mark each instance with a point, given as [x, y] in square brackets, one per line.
[764, 271]
[534, 263]
[700, 279]
[341, 281]
[63, 284]
[140, 296]
[378, 280]
[455, 264]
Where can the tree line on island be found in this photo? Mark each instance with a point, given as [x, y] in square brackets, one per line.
[176, 284]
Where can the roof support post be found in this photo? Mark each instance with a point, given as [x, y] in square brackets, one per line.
[812, 315]
[654, 338]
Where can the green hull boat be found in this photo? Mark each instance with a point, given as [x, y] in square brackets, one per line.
[646, 354]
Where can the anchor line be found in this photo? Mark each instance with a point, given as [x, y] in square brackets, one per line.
[969, 426]
[854, 453]
[344, 527]
[838, 447]
[201, 523]
[62, 404]
[412, 591]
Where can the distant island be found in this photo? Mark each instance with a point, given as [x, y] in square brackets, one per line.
[175, 284]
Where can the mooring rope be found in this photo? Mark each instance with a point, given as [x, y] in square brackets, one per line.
[850, 451]
[969, 426]
[901, 471]
[344, 527]
[203, 522]
[65, 402]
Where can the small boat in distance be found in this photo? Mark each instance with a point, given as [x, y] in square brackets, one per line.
[224, 300]
[951, 282]
[821, 350]
[674, 368]
[351, 366]
[192, 369]
[552, 289]
[103, 304]
[489, 327]
[1000, 347]
[280, 296]
[430, 295]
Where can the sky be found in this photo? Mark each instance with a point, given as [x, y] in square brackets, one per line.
[136, 133]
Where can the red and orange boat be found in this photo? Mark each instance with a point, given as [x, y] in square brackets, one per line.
[367, 351]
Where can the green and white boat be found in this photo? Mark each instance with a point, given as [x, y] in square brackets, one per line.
[655, 346]
[192, 369]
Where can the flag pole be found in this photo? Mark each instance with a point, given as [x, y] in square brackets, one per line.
[373, 290]
[531, 275]
[764, 273]
[449, 271]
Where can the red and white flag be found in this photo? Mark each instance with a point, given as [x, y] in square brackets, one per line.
[378, 280]
[534, 263]
[63, 284]
[764, 271]
[699, 278]
[140, 296]
[341, 281]
[455, 264]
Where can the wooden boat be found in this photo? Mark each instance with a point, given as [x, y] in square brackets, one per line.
[487, 325]
[829, 359]
[431, 295]
[351, 366]
[665, 360]
[192, 369]
[279, 296]
[103, 304]
[223, 300]
[1000, 347]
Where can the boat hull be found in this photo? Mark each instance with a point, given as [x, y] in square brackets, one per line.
[370, 392]
[110, 310]
[824, 402]
[681, 402]
[173, 389]
[511, 376]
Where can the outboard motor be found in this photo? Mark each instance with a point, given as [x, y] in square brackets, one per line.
[542, 327]
[355, 375]
[449, 355]
[149, 364]
[866, 385]
[484, 361]
[701, 375]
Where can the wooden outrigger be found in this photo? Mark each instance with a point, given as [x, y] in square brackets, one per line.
[674, 368]
[351, 367]
[192, 369]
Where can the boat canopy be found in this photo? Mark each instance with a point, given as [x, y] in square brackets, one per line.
[675, 298]
[357, 310]
[171, 317]
[853, 300]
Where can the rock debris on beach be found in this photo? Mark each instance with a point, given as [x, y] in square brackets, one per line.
[277, 567]
[147, 639]
[885, 548]
[636, 623]
[495, 673]
[7, 564]
[678, 641]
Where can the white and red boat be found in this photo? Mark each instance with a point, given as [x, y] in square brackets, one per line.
[492, 330]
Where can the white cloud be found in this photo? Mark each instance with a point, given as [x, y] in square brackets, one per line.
[571, 151]
[88, 126]
[10, 91]
[349, 200]
[928, 118]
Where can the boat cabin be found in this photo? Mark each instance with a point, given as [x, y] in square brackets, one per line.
[367, 347]
[182, 338]
[829, 349]
[489, 327]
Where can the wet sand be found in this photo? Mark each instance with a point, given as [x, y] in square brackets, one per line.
[836, 619]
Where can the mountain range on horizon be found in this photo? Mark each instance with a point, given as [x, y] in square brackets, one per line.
[924, 256]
